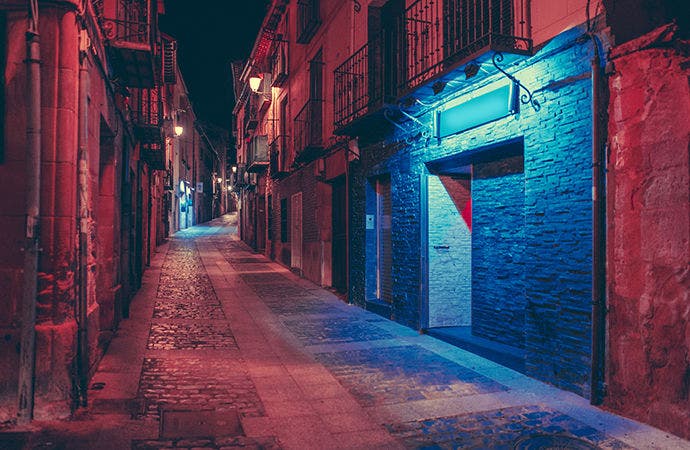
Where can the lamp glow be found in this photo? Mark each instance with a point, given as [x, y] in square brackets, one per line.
[179, 129]
[255, 83]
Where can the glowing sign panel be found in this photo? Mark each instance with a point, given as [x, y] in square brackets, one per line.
[479, 110]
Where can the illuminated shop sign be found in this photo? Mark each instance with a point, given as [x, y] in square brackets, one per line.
[482, 107]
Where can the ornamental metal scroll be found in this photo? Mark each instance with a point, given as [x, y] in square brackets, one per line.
[527, 97]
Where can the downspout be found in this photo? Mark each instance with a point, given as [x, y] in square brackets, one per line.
[83, 225]
[598, 386]
[27, 355]
[347, 226]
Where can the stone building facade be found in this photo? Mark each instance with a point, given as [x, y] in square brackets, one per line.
[99, 126]
[290, 180]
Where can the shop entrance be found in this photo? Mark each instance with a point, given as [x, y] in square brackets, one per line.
[475, 252]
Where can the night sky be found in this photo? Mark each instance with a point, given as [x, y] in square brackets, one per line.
[211, 34]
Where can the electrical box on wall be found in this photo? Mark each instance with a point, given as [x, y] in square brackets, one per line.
[370, 221]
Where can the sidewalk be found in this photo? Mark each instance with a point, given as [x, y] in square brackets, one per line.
[234, 351]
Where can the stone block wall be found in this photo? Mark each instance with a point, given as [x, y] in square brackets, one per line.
[649, 232]
[498, 271]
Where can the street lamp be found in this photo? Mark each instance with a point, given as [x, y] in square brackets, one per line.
[255, 83]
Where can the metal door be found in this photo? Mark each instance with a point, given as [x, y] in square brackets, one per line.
[384, 248]
[296, 230]
[339, 257]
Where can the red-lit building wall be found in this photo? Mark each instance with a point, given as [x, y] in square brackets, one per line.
[649, 232]
[120, 195]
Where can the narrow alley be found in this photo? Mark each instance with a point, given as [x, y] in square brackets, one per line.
[225, 349]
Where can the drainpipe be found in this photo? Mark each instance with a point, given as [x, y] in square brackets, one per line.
[83, 226]
[27, 355]
[347, 226]
[598, 387]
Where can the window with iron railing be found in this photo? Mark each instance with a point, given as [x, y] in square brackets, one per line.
[308, 124]
[308, 20]
[147, 108]
[279, 155]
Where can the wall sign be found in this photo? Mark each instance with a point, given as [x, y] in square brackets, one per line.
[483, 108]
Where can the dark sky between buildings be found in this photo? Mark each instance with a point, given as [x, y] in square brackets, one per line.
[211, 34]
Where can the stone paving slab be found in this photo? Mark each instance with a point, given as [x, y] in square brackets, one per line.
[186, 309]
[231, 442]
[176, 336]
[507, 429]
[222, 384]
[334, 330]
[402, 374]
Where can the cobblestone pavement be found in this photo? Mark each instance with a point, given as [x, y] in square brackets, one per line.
[225, 349]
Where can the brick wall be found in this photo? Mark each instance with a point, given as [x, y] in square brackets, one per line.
[557, 216]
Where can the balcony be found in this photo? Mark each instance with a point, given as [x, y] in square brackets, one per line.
[279, 156]
[169, 59]
[308, 20]
[279, 64]
[238, 178]
[147, 118]
[257, 154]
[251, 113]
[429, 45]
[357, 86]
[309, 132]
[129, 27]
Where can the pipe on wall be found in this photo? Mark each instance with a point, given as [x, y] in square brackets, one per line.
[27, 355]
[598, 389]
[83, 228]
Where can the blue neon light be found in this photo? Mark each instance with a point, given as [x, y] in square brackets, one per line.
[482, 109]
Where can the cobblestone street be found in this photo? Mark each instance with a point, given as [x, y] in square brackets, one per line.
[225, 349]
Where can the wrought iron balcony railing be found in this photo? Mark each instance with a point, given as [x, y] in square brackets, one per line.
[308, 142]
[129, 27]
[439, 33]
[147, 114]
[357, 85]
[279, 63]
[251, 113]
[147, 118]
[427, 41]
[279, 156]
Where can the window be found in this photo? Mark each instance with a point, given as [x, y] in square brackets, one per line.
[308, 20]
[283, 220]
[270, 217]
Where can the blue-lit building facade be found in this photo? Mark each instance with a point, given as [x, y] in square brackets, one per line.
[471, 200]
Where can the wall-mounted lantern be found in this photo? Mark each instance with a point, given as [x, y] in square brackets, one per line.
[255, 83]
